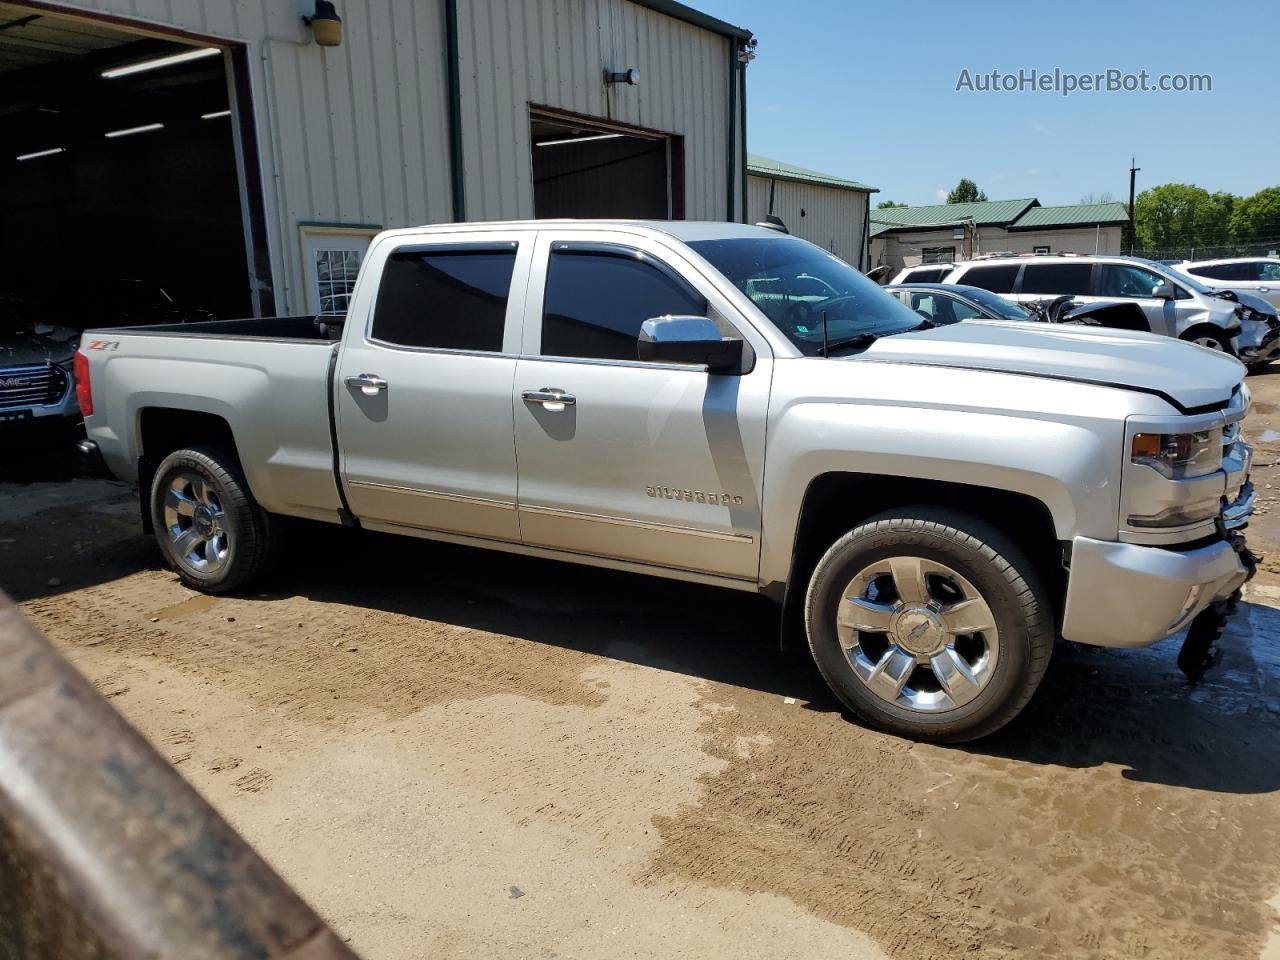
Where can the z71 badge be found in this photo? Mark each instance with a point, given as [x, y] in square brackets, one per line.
[694, 496]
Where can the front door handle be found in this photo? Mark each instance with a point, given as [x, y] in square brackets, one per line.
[370, 384]
[551, 398]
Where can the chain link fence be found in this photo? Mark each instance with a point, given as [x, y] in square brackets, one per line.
[1261, 248]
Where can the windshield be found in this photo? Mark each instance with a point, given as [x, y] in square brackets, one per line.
[794, 282]
[997, 304]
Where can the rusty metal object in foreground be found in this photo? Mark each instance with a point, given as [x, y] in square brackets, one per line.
[105, 851]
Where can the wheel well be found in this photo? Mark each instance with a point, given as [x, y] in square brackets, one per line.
[1202, 328]
[163, 430]
[835, 503]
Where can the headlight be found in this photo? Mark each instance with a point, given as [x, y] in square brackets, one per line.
[1180, 456]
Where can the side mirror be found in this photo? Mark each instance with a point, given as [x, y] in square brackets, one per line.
[689, 340]
[1164, 290]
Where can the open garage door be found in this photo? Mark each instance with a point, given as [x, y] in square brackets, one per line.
[585, 169]
[120, 192]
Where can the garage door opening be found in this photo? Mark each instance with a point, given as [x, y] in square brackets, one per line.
[585, 169]
[120, 193]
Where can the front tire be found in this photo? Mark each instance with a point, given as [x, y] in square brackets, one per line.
[929, 624]
[1210, 337]
[210, 529]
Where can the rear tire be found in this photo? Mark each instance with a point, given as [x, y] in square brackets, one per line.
[930, 624]
[210, 529]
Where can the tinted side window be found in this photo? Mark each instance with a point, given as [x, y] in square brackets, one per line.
[998, 278]
[448, 299]
[1059, 279]
[1123, 280]
[596, 301]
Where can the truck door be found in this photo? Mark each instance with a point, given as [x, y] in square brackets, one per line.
[424, 384]
[651, 463]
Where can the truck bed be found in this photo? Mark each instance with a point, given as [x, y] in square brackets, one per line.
[324, 328]
[268, 380]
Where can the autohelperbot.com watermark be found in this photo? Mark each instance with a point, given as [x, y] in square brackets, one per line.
[1066, 82]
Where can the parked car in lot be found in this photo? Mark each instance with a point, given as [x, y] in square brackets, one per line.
[1259, 276]
[923, 273]
[1175, 305]
[933, 505]
[942, 303]
[36, 378]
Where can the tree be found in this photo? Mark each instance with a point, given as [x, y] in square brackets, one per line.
[1181, 215]
[887, 204]
[1104, 197]
[966, 191]
[1256, 219]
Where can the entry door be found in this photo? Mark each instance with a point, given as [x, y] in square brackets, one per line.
[332, 262]
[652, 463]
[424, 391]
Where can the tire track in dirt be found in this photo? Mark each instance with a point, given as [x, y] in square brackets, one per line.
[1052, 849]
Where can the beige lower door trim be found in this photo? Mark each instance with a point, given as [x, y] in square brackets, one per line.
[433, 509]
[691, 548]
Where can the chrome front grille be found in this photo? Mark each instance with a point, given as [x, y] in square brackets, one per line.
[33, 385]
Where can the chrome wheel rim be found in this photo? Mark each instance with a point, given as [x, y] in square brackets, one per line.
[917, 634]
[1213, 343]
[196, 524]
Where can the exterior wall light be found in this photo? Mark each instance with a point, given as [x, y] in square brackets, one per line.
[325, 24]
[630, 77]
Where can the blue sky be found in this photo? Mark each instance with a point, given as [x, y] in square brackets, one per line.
[866, 90]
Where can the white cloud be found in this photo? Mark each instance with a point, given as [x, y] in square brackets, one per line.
[1033, 171]
[1039, 127]
[941, 194]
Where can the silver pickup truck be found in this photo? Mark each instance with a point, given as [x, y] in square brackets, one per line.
[716, 403]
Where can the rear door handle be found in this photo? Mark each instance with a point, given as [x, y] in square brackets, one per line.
[370, 384]
[551, 398]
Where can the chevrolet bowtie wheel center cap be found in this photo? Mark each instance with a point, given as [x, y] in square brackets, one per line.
[918, 630]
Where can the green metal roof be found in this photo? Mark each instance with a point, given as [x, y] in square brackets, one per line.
[983, 214]
[1075, 215]
[764, 167]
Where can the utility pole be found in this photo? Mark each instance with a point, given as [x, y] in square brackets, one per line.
[1133, 180]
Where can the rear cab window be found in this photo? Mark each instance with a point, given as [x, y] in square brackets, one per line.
[445, 297]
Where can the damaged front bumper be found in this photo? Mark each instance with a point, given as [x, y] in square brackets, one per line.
[1258, 342]
[1134, 595]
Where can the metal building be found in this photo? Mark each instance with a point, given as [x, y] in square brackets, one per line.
[223, 154]
[826, 210]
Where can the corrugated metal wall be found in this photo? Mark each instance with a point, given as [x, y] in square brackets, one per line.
[833, 219]
[358, 134]
[553, 53]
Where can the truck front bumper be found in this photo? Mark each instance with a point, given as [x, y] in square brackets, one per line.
[1133, 595]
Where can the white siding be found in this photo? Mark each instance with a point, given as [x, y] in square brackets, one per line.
[905, 249]
[358, 134]
[832, 218]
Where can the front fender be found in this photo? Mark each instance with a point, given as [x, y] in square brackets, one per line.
[1068, 467]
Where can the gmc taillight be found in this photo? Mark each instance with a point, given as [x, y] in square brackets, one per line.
[84, 394]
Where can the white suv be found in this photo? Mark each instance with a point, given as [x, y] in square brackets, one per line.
[1176, 305]
[1257, 275]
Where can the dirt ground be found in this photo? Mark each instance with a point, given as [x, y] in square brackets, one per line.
[460, 754]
